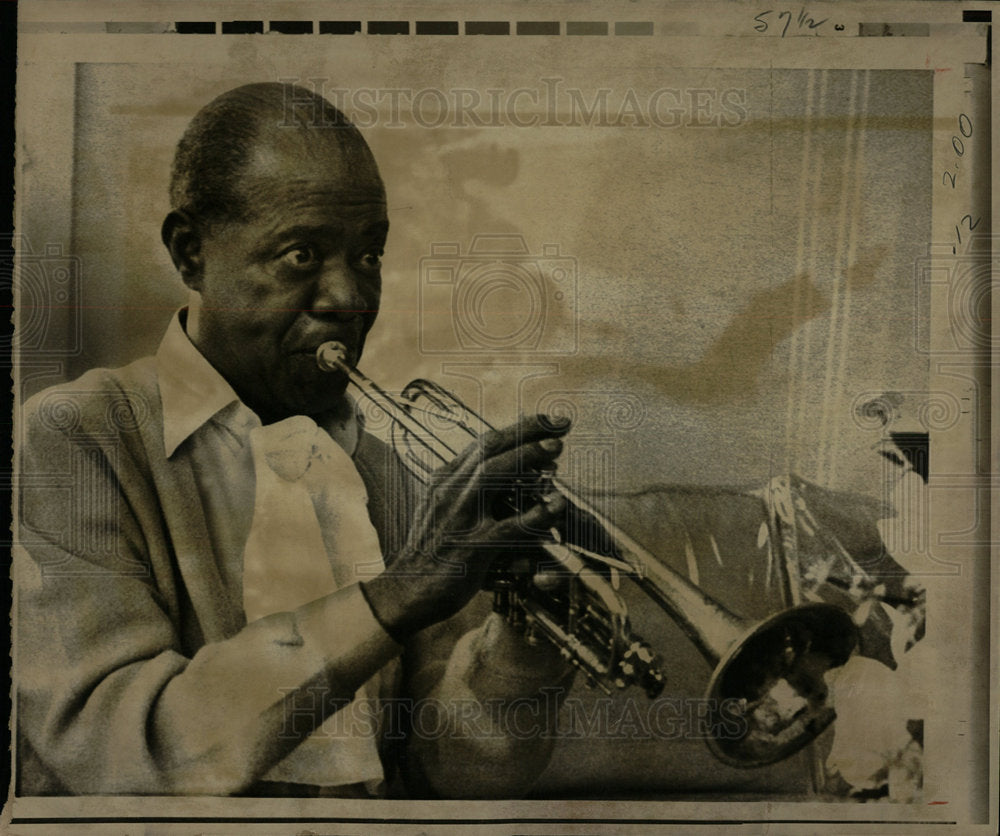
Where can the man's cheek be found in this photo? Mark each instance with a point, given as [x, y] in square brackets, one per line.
[265, 289]
[301, 373]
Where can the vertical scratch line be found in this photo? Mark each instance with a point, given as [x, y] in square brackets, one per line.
[802, 421]
[852, 242]
[793, 346]
[830, 405]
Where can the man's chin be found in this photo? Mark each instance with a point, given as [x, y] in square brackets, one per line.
[331, 400]
[306, 390]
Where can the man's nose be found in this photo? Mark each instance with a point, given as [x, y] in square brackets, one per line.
[338, 293]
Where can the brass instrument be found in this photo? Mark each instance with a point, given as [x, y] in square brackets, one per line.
[767, 696]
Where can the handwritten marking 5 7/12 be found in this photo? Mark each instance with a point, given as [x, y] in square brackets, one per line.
[804, 20]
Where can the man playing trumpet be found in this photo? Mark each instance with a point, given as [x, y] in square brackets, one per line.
[236, 565]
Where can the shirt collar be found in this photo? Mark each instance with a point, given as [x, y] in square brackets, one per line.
[193, 392]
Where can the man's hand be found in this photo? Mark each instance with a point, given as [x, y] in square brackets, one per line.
[465, 525]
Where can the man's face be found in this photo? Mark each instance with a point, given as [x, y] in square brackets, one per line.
[305, 269]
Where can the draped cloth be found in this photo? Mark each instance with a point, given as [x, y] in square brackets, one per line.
[311, 535]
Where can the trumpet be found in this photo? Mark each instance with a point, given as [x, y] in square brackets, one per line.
[767, 695]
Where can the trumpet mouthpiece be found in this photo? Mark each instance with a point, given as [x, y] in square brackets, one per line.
[331, 356]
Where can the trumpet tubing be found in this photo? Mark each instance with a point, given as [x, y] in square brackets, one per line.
[768, 675]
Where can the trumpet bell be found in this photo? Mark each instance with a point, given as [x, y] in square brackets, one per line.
[768, 690]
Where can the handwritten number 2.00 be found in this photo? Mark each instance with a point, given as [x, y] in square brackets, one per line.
[951, 177]
[958, 145]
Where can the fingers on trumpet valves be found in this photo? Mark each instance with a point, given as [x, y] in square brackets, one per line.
[522, 433]
[526, 462]
[532, 492]
[549, 580]
[513, 466]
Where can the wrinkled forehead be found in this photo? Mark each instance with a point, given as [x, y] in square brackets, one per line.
[333, 161]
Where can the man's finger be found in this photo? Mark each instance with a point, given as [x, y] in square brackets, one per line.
[532, 522]
[550, 580]
[527, 429]
[525, 460]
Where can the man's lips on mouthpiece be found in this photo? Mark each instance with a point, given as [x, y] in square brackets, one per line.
[349, 353]
[313, 345]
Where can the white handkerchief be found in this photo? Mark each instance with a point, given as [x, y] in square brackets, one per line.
[311, 535]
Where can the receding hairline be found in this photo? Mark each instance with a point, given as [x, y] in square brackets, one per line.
[286, 112]
[342, 141]
[258, 117]
[273, 151]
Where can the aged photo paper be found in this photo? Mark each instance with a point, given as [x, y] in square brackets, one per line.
[745, 248]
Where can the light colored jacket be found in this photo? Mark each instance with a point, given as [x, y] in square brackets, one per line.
[131, 654]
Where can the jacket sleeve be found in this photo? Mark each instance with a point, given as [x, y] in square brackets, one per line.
[107, 700]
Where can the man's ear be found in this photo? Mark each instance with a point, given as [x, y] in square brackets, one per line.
[181, 237]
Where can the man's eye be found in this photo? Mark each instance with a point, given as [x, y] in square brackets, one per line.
[301, 258]
[372, 259]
